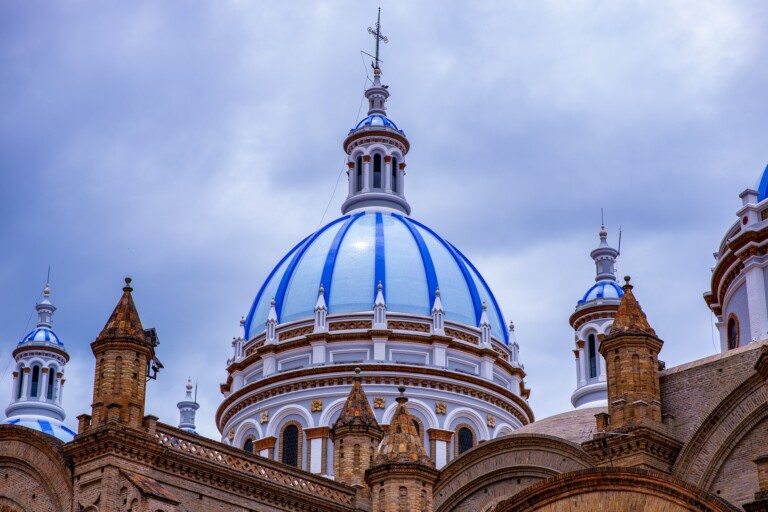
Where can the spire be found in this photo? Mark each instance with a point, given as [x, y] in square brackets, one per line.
[630, 318]
[438, 315]
[357, 411]
[124, 322]
[321, 311]
[271, 323]
[379, 309]
[485, 327]
[187, 409]
[605, 258]
[376, 94]
[402, 443]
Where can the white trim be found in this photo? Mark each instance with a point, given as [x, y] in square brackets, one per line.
[329, 411]
[393, 351]
[469, 416]
[286, 411]
[332, 353]
[242, 430]
[415, 405]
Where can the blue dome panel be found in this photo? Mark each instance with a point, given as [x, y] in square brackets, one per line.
[406, 289]
[603, 290]
[352, 254]
[376, 120]
[762, 185]
[43, 424]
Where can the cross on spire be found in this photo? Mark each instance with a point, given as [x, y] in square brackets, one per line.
[378, 36]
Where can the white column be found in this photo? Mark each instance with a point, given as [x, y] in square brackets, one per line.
[43, 384]
[387, 174]
[758, 312]
[486, 368]
[366, 175]
[25, 383]
[270, 364]
[61, 390]
[318, 352]
[600, 368]
[441, 449]
[15, 387]
[516, 380]
[582, 366]
[316, 450]
[401, 178]
[351, 177]
[438, 354]
[379, 349]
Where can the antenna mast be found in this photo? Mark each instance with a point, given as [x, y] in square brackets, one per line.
[378, 36]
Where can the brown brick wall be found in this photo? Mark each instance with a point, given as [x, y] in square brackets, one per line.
[401, 495]
[353, 454]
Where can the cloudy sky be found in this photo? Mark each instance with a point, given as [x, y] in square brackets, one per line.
[190, 145]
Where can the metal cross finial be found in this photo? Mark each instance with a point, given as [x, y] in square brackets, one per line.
[378, 36]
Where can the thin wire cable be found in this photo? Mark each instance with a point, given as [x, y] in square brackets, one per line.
[10, 359]
[341, 171]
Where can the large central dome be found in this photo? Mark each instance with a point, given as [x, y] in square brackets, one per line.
[354, 253]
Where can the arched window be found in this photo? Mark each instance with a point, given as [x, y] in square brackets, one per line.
[733, 333]
[290, 448]
[592, 356]
[403, 500]
[466, 439]
[51, 380]
[21, 383]
[248, 446]
[394, 174]
[359, 174]
[377, 171]
[382, 500]
[35, 381]
[417, 427]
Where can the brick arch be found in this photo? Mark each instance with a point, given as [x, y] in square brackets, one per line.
[40, 468]
[719, 433]
[490, 471]
[613, 489]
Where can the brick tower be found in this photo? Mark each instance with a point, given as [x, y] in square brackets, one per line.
[356, 436]
[632, 433]
[403, 476]
[125, 358]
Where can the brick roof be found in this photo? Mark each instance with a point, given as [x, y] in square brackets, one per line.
[124, 322]
[401, 443]
[630, 318]
[357, 411]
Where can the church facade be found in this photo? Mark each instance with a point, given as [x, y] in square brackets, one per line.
[375, 372]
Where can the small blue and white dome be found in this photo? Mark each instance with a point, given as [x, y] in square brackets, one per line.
[42, 335]
[376, 120]
[352, 254]
[603, 290]
[43, 424]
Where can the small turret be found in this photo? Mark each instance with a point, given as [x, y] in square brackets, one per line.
[38, 378]
[403, 476]
[379, 309]
[187, 409]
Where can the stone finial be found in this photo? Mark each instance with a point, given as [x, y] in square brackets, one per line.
[438, 315]
[271, 324]
[485, 327]
[321, 311]
[630, 318]
[379, 309]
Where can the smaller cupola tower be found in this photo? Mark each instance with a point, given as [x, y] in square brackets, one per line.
[125, 362]
[356, 436]
[38, 378]
[187, 409]
[376, 150]
[403, 475]
[591, 321]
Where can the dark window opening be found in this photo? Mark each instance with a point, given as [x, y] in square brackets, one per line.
[416, 426]
[35, 381]
[377, 171]
[394, 175]
[21, 385]
[49, 391]
[359, 177]
[592, 356]
[248, 446]
[733, 334]
[466, 439]
[291, 446]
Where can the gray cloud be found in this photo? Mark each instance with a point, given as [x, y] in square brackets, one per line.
[192, 147]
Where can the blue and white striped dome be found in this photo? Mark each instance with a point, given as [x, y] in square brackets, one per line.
[376, 120]
[352, 254]
[43, 424]
[603, 290]
[762, 185]
[42, 335]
